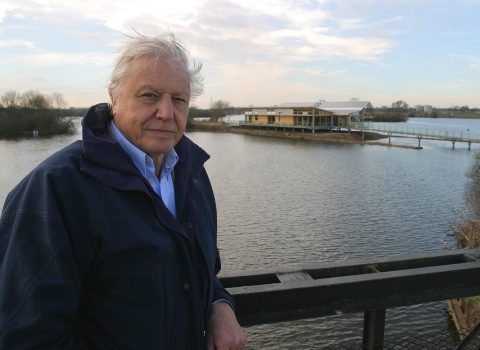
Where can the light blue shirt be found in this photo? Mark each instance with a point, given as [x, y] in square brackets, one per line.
[144, 163]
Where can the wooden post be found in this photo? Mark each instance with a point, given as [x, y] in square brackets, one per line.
[373, 329]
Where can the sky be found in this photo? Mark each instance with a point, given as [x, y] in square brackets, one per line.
[255, 52]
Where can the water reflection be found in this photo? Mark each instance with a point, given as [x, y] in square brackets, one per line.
[290, 201]
[286, 201]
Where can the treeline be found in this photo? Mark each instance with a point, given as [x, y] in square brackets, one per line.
[218, 110]
[401, 112]
[398, 112]
[34, 111]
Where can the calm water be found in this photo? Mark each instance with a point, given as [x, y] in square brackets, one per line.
[289, 201]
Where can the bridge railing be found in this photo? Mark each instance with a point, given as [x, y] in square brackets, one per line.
[369, 285]
[449, 135]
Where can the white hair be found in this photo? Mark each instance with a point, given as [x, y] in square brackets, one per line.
[165, 46]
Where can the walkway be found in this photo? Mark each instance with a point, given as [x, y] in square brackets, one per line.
[452, 136]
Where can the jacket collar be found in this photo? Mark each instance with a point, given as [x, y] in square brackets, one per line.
[106, 161]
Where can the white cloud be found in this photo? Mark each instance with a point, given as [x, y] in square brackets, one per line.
[17, 42]
[291, 29]
[358, 23]
[475, 60]
[448, 86]
[260, 83]
[322, 72]
[58, 59]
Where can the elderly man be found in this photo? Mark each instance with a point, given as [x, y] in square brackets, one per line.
[111, 242]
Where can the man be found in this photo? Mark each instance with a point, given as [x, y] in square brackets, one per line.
[111, 242]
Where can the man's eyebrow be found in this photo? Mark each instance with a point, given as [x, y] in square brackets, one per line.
[153, 88]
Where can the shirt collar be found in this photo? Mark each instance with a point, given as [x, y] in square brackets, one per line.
[140, 158]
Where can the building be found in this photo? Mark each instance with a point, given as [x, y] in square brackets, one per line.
[307, 115]
[427, 108]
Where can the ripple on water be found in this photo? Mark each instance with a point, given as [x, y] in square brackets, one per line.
[282, 202]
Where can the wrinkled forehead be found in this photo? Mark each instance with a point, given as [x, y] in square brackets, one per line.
[157, 64]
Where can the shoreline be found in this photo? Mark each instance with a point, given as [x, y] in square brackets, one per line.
[325, 137]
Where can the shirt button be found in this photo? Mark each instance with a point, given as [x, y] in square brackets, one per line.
[150, 180]
[186, 286]
[189, 225]
[195, 181]
[147, 160]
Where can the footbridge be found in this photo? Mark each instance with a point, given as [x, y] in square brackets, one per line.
[372, 285]
[420, 133]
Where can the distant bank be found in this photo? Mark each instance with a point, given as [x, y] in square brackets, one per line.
[328, 137]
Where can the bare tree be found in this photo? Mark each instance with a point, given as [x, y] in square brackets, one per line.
[36, 100]
[369, 108]
[219, 109]
[400, 104]
[10, 99]
[354, 99]
[58, 101]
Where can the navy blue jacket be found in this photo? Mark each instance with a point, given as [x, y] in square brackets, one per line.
[91, 257]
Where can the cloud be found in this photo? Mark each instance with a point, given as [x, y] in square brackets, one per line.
[59, 59]
[309, 44]
[17, 42]
[284, 29]
[322, 72]
[262, 82]
[475, 60]
[358, 23]
[448, 86]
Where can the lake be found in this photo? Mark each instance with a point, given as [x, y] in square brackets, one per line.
[292, 201]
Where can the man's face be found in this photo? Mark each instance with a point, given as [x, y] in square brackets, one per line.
[152, 107]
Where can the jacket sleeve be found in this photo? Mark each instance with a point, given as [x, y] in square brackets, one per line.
[221, 293]
[40, 284]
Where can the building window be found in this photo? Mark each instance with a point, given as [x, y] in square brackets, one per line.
[256, 117]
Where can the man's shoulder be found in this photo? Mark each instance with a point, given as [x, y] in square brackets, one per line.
[60, 165]
[63, 160]
[38, 189]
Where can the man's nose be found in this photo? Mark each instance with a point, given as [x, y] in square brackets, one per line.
[165, 108]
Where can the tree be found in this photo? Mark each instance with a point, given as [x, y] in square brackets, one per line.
[354, 99]
[193, 112]
[10, 99]
[400, 104]
[58, 101]
[219, 109]
[369, 108]
[464, 109]
[36, 100]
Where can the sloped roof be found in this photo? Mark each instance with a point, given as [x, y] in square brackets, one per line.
[343, 106]
[300, 105]
[339, 108]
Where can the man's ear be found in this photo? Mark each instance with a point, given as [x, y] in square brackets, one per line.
[114, 101]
